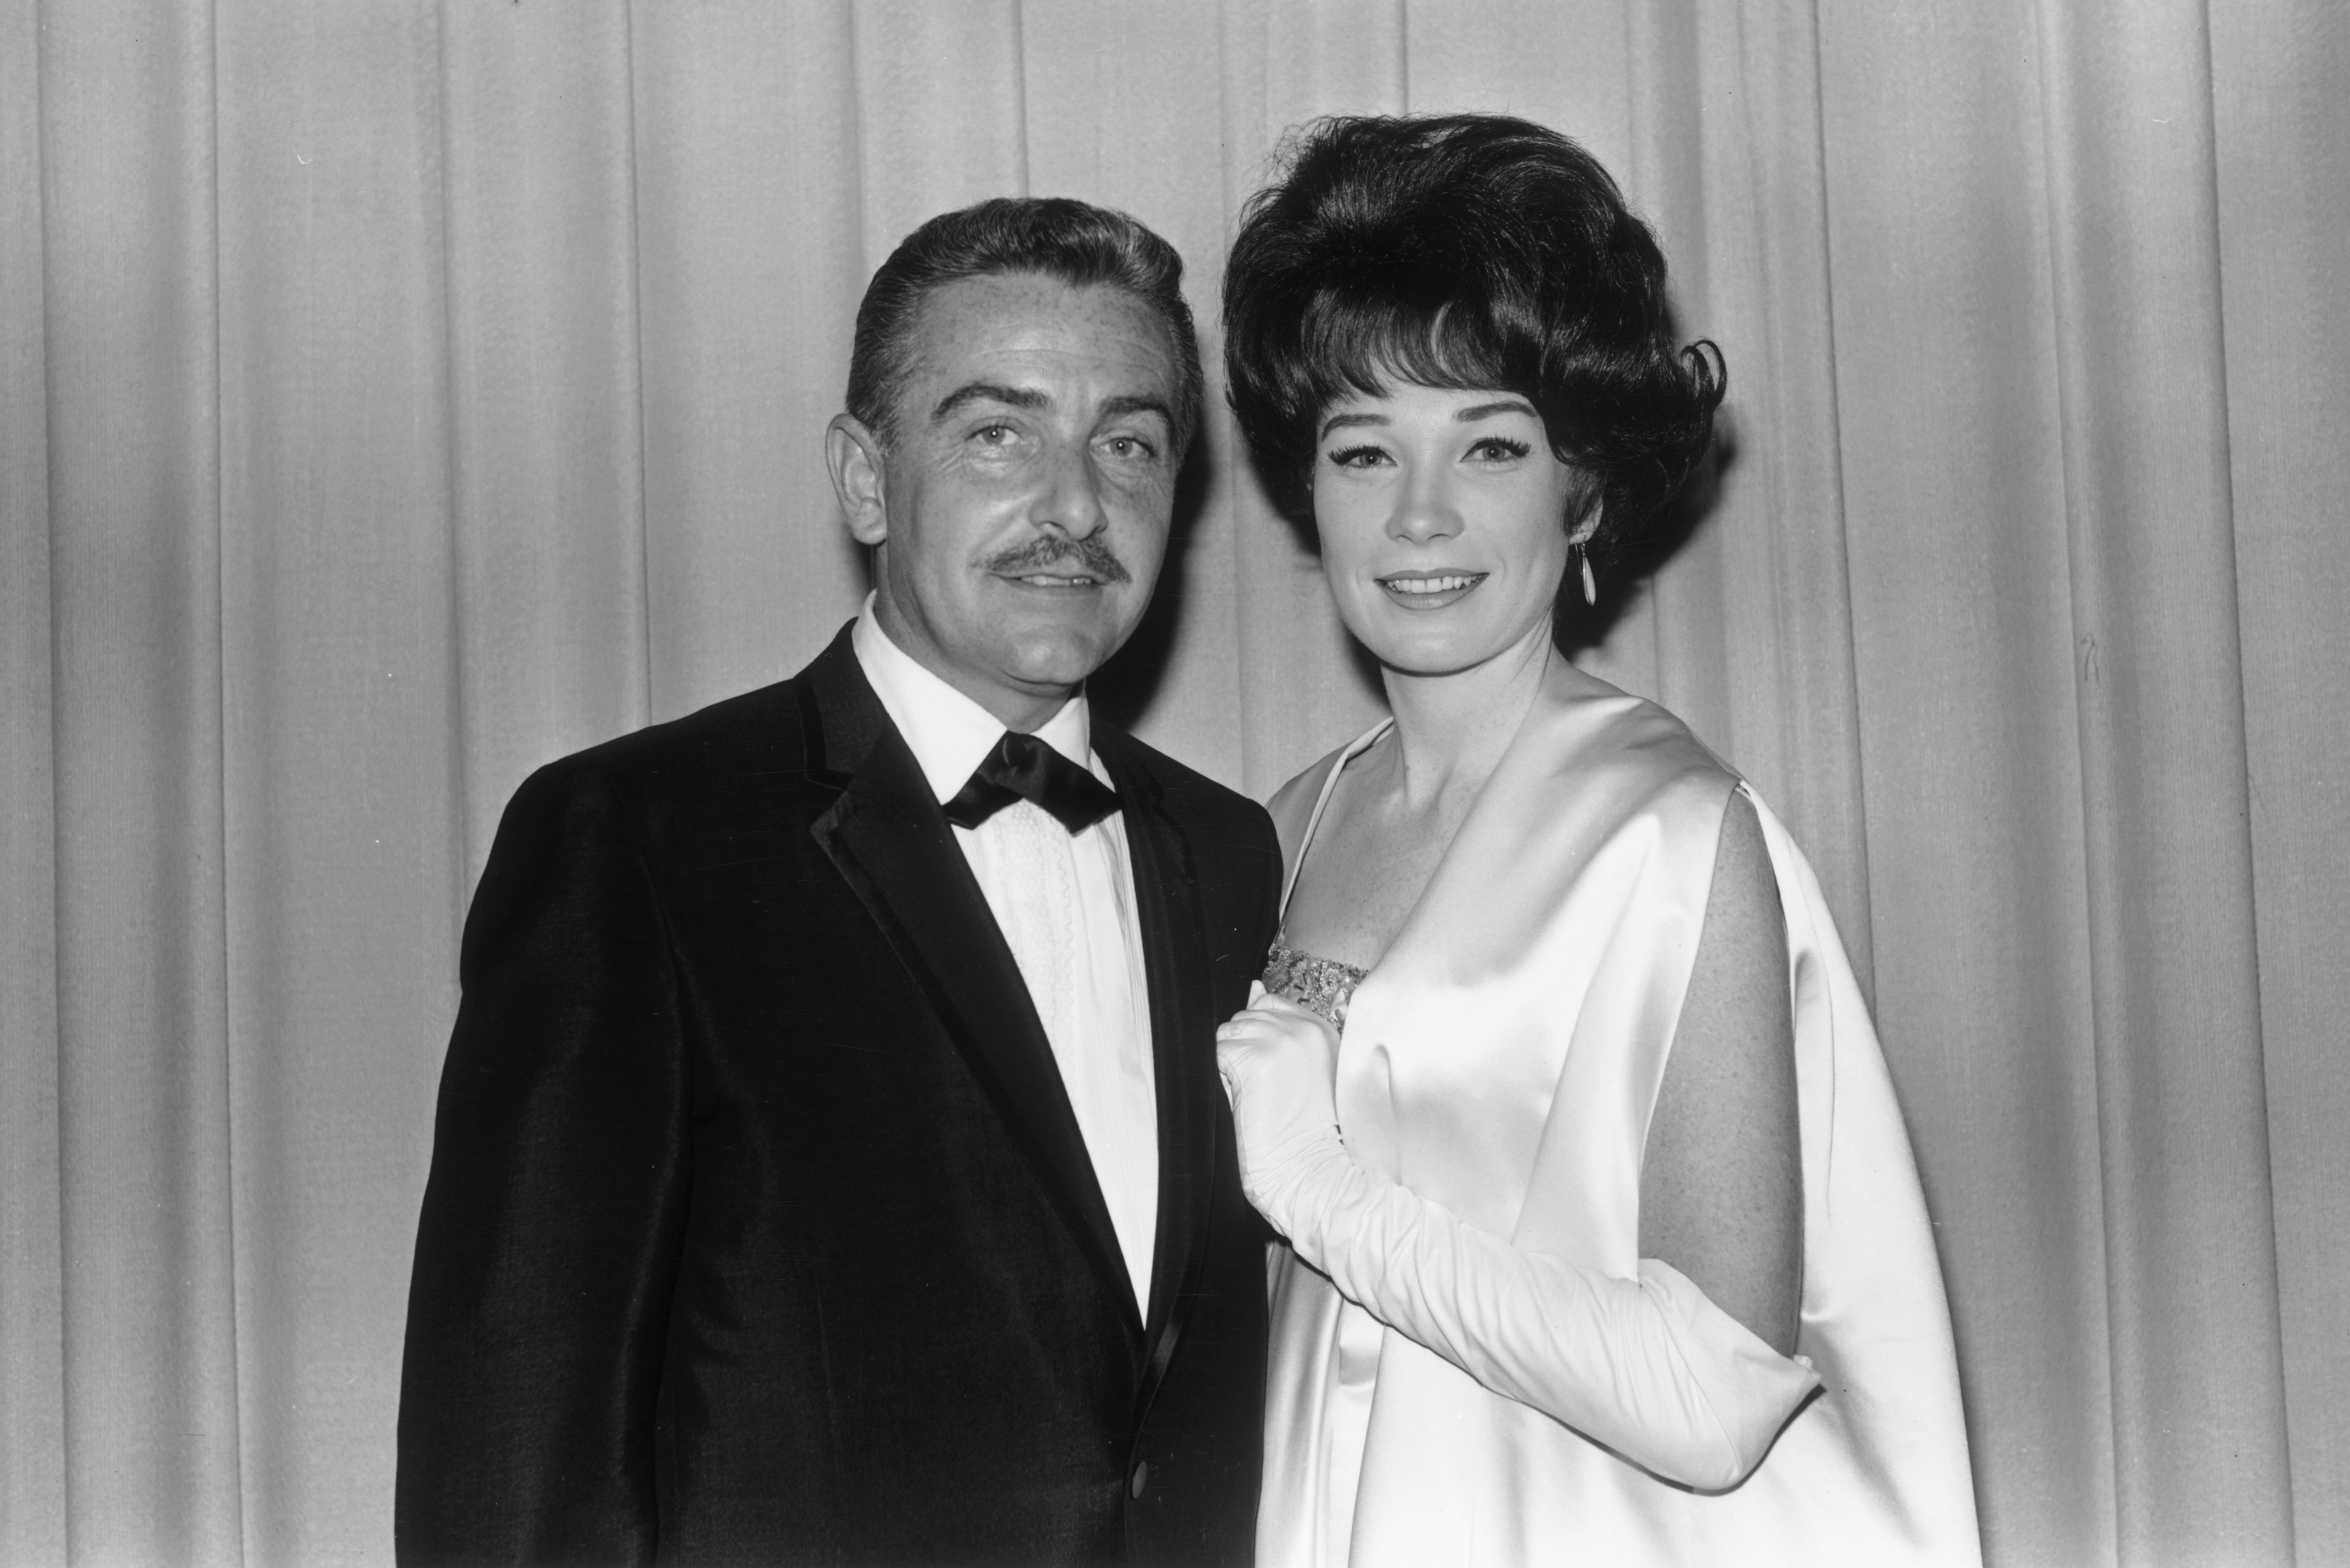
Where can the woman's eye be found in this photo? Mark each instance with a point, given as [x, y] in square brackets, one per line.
[1359, 457]
[1498, 449]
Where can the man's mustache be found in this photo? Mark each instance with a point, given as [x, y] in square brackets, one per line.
[1088, 554]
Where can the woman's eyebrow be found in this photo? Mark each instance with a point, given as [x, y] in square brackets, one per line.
[1487, 411]
[1344, 421]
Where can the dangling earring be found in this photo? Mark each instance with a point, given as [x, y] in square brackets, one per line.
[1590, 582]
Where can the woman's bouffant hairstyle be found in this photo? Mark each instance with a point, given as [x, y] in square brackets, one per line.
[1464, 251]
[1051, 236]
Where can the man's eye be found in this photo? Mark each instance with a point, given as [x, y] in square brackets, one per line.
[1130, 447]
[1359, 457]
[993, 435]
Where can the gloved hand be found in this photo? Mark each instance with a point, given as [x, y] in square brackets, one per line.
[1646, 1365]
[1280, 1067]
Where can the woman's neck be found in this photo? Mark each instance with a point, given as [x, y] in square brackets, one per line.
[1450, 730]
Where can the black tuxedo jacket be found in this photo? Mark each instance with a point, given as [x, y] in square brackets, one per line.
[759, 1227]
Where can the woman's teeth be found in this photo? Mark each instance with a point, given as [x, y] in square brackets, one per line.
[1443, 584]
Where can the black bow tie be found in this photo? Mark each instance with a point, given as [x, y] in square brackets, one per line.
[1022, 767]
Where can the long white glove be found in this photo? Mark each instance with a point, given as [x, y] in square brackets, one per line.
[1648, 1366]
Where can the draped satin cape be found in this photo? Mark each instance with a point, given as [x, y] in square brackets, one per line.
[1503, 1060]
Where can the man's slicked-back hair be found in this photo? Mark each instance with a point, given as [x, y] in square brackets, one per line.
[1047, 236]
[1472, 252]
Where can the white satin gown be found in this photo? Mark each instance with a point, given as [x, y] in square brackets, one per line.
[1501, 1063]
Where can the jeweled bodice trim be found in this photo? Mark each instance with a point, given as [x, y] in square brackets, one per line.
[1319, 984]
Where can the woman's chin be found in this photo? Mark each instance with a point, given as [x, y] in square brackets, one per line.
[1428, 647]
[1430, 658]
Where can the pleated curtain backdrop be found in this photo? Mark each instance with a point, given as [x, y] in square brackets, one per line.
[394, 397]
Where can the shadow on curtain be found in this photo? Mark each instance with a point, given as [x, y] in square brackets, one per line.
[394, 397]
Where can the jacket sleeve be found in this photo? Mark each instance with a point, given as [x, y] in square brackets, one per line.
[554, 1214]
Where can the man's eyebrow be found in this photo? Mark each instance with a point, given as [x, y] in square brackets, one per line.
[1137, 403]
[988, 392]
[1486, 410]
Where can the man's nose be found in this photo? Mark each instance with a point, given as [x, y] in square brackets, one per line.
[1071, 500]
[1424, 510]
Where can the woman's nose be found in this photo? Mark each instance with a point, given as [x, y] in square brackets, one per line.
[1424, 510]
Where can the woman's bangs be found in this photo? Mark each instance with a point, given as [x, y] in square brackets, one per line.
[1360, 344]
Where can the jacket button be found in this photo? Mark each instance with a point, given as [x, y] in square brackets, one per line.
[1141, 1475]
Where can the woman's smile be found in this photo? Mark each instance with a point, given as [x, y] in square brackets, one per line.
[1429, 590]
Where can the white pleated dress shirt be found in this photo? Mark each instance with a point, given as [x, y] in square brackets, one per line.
[1065, 903]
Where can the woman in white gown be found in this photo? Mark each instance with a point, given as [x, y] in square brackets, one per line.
[1605, 1240]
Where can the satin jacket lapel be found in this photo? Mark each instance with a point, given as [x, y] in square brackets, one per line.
[1175, 955]
[889, 839]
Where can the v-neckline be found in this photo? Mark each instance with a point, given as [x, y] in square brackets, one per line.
[1407, 930]
[1354, 748]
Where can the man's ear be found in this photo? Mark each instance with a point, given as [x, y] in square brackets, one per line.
[852, 455]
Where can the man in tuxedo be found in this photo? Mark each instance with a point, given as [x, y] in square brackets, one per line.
[830, 1162]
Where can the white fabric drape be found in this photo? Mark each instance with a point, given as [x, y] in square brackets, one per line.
[394, 397]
